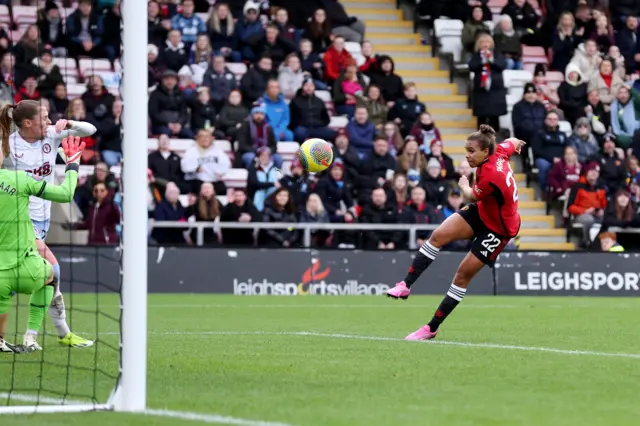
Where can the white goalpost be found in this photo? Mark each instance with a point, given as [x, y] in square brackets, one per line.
[129, 394]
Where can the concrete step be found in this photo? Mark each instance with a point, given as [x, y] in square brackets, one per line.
[447, 130]
[382, 38]
[542, 240]
[564, 246]
[368, 5]
[538, 205]
[409, 54]
[345, 3]
[545, 221]
[428, 80]
[442, 101]
[376, 14]
[413, 62]
[438, 88]
[384, 25]
[462, 114]
[551, 232]
[386, 46]
[531, 212]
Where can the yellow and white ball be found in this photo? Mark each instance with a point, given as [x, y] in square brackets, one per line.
[315, 155]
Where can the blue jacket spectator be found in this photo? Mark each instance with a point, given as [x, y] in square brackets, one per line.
[624, 117]
[278, 114]
[220, 82]
[84, 29]
[361, 132]
[188, 23]
[248, 28]
[262, 178]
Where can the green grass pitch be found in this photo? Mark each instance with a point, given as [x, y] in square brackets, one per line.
[248, 358]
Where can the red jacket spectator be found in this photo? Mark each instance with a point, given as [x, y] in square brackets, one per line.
[28, 91]
[585, 196]
[102, 218]
[336, 59]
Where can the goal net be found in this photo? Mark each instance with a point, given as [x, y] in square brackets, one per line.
[104, 286]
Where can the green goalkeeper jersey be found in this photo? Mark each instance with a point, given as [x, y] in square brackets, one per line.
[16, 230]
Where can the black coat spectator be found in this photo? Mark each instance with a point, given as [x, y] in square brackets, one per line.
[155, 66]
[299, 11]
[376, 168]
[417, 211]
[165, 165]
[203, 113]
[318, 31]
[280, 209]
[50, 74]
[627, 40]
[102, 218]
[385, 77]
[174, 55]
[254, 82]
[522, 14]
[273, 45]
[168, 108]
[111, 37]
[84, 193]
[349, 27]
[309, 117]
[564, 41]
[489, 94]
[613, 172]
[343, 150]
[169, 209]
[436, 186]
[378, 212]
[231, 116]
[311, 61]
[239, 209]
[297, 184]
[621, 8]
[573, 94]
[222, 30]
[110, 136]
[220, 82]
[287, 30]
[334, 194]
[528, 114]
[446, 163]
[548, 147]
[97, 100]
[621, 212]
[85, 31]
[50, 27]
[158, 26]
[58, 102]
[407, 109]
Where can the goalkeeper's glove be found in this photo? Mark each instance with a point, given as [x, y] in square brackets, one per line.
[9, 348]
[71, 150]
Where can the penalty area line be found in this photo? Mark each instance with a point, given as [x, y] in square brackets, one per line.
[182, 415]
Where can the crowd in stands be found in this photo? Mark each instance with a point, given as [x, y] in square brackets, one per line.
[595, 45]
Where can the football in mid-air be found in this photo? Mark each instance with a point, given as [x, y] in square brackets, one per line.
[315, 155]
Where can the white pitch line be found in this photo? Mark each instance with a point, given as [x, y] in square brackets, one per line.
[182, 415]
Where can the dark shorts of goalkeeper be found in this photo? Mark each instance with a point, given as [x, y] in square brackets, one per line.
[26, 278]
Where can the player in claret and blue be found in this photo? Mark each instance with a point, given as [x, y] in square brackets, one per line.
[22, 269]
[490, 222]
[33, 148]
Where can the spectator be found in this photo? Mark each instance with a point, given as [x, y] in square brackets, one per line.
[168, 108]
[607, 83]
[564, 174]
[205, 208]
[278, 115]
[585, 19]
[398, 194]
[290, 76]
[523, 15]
[239, 209]
[84, 29]
[254, 134]
[446, 163]
[201, 53]
[205, 162]
[309, 115]
[613, 173]
[370, 60]
[296, 183]
[6, 44]
[489, 97]
[625, 116]
[508, 43]
[165, 165]
[587, 201]
[472, 29]
[564, 41]
[7, 70]
[175, 54]
[49, 73]
[385, 77]
[586, 59]
[603, 33]
[548, 147]
[349, 27]
[634, 189]
[633, 166]
[271, 44]
[312, 64]
[111, 37]
[58, 102]
[102, 217]
[254, 82]
[185, 82]
[435, 184]
[425, 132]
[335, 196]
[155, 67]
[28, 90]
[188, 23]
[406, 110]
[220, 81]
[626, 40]
[97, 100]
[280, 209]
[77, 112]
[318, 31]
[169, 209]
[84, 193]
[336, 59]
[51, 30]
[394, 137]
[361, 131]
[342, 150]
[203, 113]
[572, 94]
[418, 212]
[546, 93]
[287, 31]
[222, 33]
[110, 133]
[376, 106]
[378, 167]
[346, 89]
[609, 243]
[618, 62]
[583, 141]
[622, 212]
[231, 116]
[26, 50]
[598, 116]
[454, 202]
[158, 26]
[314, 212]
[411, 162]
[248, 28]
[378, 212]
[464, 169]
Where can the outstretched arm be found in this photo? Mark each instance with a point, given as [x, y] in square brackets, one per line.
[71, 128]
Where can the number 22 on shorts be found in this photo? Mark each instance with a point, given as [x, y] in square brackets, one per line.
[491, 243]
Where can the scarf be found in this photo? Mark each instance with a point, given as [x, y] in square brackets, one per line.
[264, 174]
[259, 134]
[607, 79]
[485, 78]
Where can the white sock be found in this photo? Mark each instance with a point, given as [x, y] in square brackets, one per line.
[58, 314]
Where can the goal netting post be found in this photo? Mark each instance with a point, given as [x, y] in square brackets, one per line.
[112, 374]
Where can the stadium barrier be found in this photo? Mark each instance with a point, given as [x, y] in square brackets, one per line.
[298, 272]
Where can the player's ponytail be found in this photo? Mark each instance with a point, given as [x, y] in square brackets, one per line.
[10, 114]
[5, 126]
[486, 138]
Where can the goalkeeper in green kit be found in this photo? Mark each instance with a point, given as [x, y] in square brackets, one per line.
[22, 269]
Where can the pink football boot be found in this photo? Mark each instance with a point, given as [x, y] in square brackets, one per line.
[400, 291]
[423, 333]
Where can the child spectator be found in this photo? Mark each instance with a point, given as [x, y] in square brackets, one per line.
[203, 113]
[239, 209]
[508, 43]
[277, 111]
[290, 76]
[346, 89]
[169, 209]
[231, 116]
[318, 31]
[222, 33]
[454, 202]
[446, 163]
[185, 82]
[392, 132]
[254, 134]
[376, 106]
[280, 209]
[609, 243]
[188, 23]
[205, 208]
[407, 109]
[564, 174]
